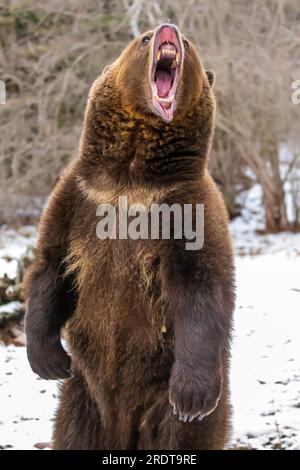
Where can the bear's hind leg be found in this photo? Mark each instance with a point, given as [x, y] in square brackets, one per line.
[78, 423]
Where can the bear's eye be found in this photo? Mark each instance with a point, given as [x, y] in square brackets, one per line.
[185, 43]
[145, 40]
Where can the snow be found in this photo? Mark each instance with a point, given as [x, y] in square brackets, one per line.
[266, 352]
[10, 308]
[14, 244]
[27, 402]
[289, 160]
[265, 373]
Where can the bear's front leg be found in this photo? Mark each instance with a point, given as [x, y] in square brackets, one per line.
[50, 292]
[51, 300]
[196, 377]
[202, 319]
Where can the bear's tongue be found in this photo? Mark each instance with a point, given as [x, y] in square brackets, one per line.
[163, 83]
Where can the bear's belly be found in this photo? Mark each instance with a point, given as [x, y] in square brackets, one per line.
[121, 330]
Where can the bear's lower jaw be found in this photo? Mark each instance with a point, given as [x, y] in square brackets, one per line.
[164, 108]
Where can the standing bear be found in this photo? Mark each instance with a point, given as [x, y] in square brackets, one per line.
[147, 321]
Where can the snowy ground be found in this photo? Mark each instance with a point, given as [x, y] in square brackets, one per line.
[14, 243]
[265, 357]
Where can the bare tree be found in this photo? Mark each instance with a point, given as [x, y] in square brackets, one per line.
[51, 52]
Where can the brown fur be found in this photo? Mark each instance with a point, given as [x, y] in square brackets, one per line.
[147, 321]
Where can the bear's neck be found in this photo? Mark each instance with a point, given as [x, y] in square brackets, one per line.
[128, 150]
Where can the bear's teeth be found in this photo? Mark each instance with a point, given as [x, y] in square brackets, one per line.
[168, 52]
[177, 58]
[165, 100]
[158, 55]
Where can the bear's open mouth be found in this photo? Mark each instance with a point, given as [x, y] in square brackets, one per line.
[167, 60]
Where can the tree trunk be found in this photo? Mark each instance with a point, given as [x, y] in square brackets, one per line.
[275, 211]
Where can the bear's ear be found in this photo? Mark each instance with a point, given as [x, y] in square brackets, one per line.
[211, 77]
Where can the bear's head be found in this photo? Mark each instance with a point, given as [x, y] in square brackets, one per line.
[161, 73]
[150, 114]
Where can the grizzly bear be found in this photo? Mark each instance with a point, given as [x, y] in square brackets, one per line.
[147, 321]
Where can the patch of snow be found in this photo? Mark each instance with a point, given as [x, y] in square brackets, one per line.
[265, 375]
[27, 402]
[8, 268]
[10, 307]
[252, 217]
[244, 230]
[14, 245]
[290, 174]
